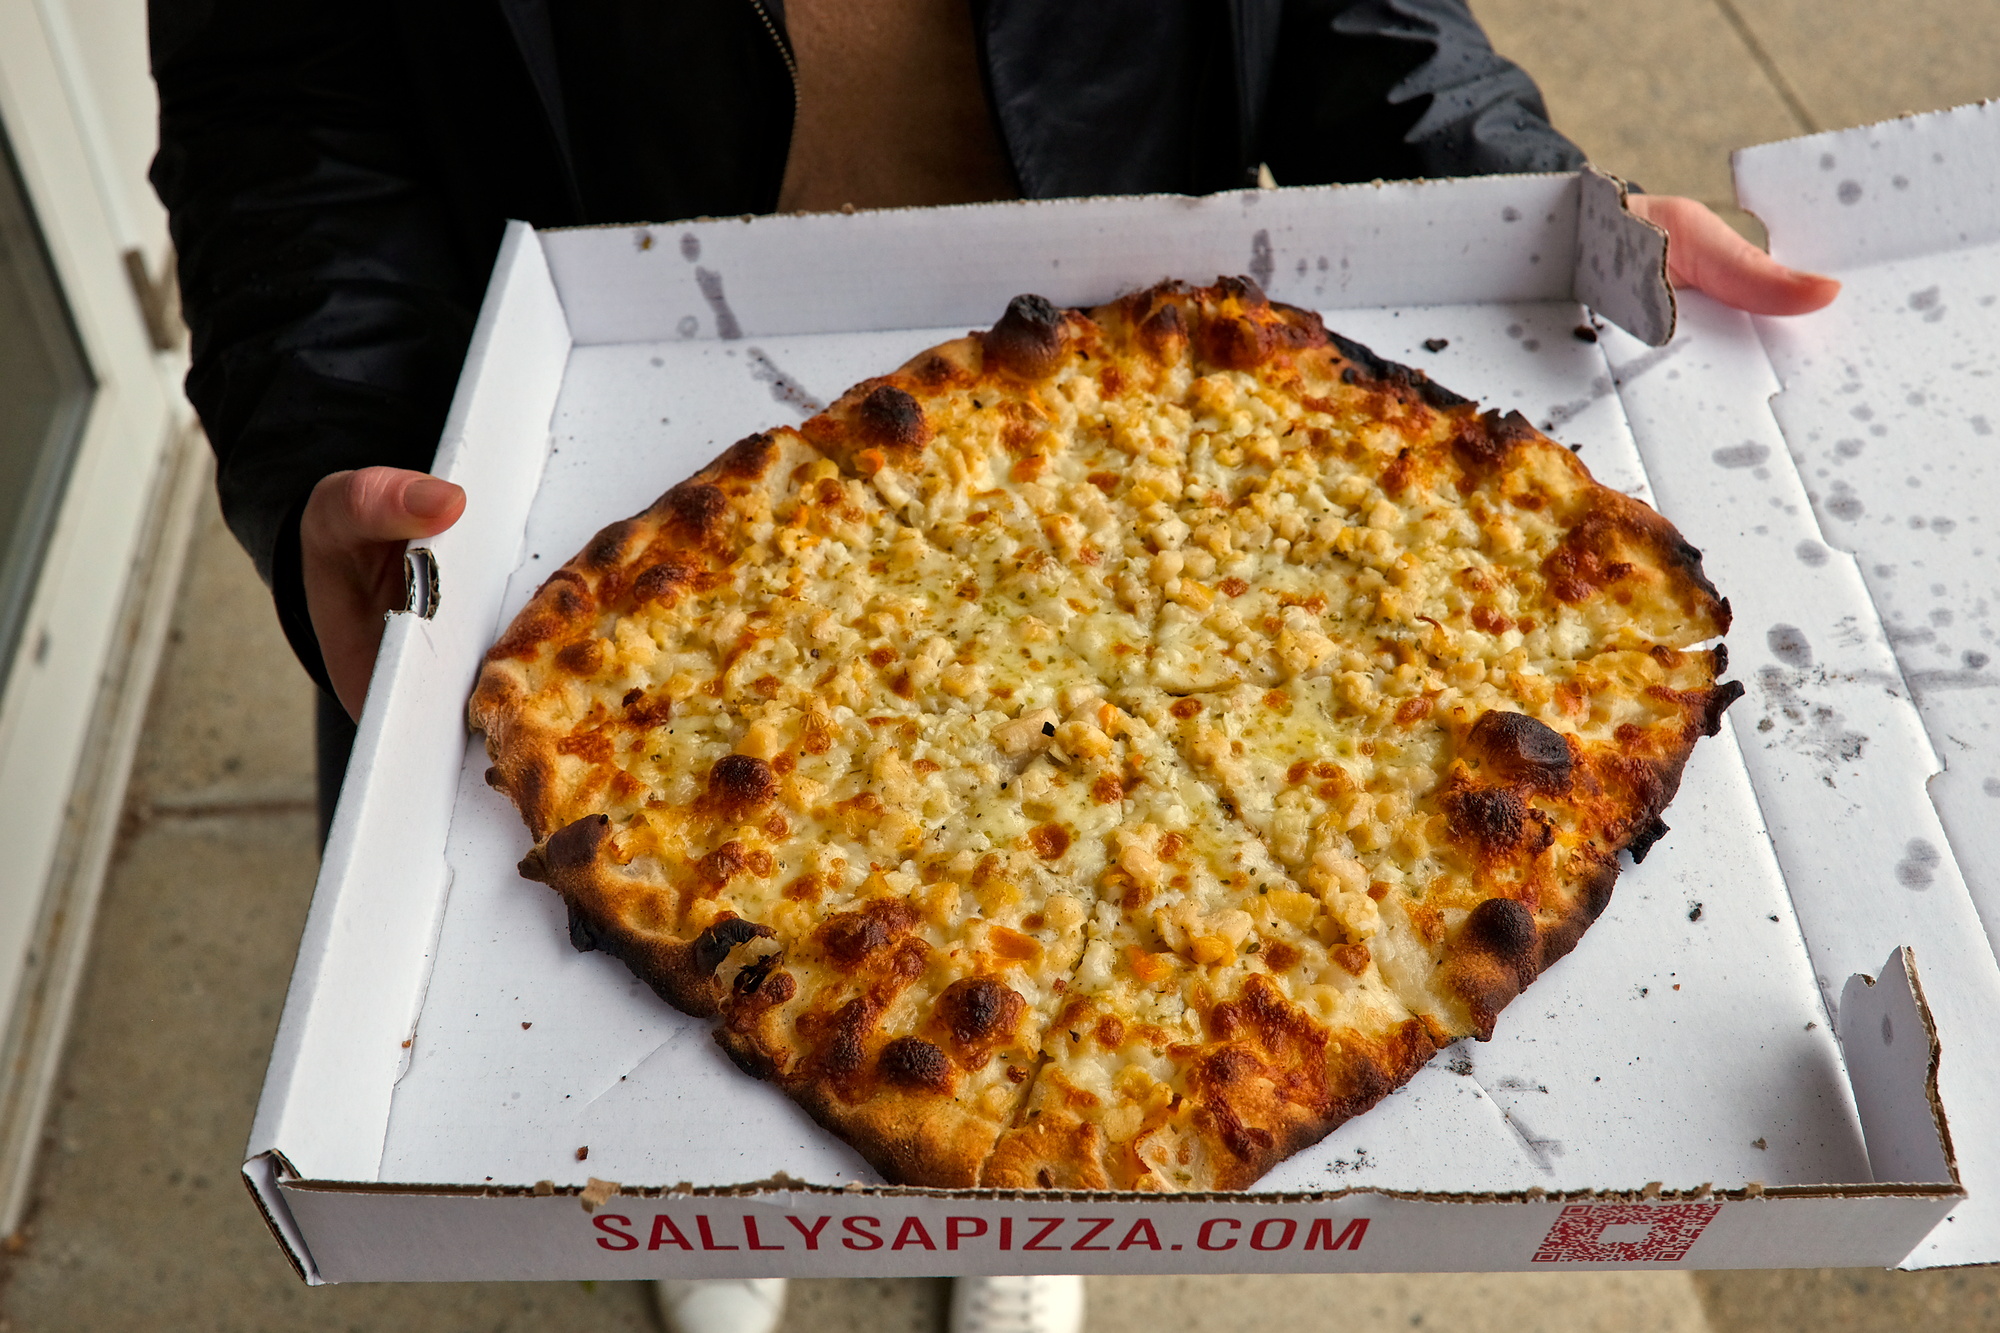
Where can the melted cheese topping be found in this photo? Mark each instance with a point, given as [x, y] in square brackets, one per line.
[1148, 692]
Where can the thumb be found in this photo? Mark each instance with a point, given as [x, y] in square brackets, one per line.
[1706, 253]
[383, 504]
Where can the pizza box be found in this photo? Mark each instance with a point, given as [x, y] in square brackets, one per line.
[1740, 1066]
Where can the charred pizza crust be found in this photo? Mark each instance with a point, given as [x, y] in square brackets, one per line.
[1113, 750]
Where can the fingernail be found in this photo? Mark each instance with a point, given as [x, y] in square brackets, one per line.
[427, 497]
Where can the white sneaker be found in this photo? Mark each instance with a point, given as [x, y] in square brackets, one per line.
[1017, 1305]
[720, 1305]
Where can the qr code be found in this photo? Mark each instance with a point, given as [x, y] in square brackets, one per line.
[1624, 1233]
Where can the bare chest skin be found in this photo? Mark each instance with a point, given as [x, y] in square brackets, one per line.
[892, 112]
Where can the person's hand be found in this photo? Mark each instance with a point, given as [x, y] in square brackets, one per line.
[1705, 253]
[351, 556]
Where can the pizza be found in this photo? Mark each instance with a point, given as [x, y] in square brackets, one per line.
[1114, 749]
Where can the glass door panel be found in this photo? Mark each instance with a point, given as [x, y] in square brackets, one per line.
[45, 392]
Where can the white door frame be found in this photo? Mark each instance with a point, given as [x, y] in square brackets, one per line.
[71, 707]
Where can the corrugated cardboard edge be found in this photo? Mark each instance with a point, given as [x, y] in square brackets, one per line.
[261, 1176]
[1621, 262]
[1651, 1192]
[1936, 1049]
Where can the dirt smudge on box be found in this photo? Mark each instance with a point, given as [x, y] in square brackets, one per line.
[710, 283]
[1793, 721]
[784, 388]
[1919, 865]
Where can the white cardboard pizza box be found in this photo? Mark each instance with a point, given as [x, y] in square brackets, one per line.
[1672, 1093]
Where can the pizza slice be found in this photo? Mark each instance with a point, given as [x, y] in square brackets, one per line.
[1474, 525]
[1221, 1017]
[1480, 812]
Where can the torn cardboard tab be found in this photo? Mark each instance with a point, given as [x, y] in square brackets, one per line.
[1892, 1046]
[1621, 262]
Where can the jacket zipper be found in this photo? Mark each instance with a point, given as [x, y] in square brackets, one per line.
[784, 53]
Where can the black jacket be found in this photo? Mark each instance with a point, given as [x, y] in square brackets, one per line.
[338, 175]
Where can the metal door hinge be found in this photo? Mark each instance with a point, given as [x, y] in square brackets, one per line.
[159, 299]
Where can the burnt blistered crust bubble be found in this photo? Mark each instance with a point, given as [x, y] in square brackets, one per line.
[912, 1062]
[1380, 372]
[1482, 443]
[978, 1009]
[980, 1015]
[1520, 750]
[1496, 955]
[746, 460]
[1241, 329]
[843, 1048]
[569, 848]
[1503, 929]
[664, 582]
[890, 417]
[741, 785]
[1028, 340]
[1643, 840]
[712, 946]
[694, 509]
[1496, 820]
[1719, 699]
[1163, 330]
[613, 546]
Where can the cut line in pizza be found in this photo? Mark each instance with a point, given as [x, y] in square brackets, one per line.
[1112, 750]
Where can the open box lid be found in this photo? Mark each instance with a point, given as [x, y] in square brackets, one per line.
[1889, 405]
[1852, 467]
[371, 939]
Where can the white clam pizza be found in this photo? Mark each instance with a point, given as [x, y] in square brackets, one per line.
[1112, 750]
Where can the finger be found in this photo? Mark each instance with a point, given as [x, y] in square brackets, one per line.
[1706, 253]
[350, 540]
[386, 504]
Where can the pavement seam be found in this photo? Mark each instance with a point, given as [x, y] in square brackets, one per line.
[282, 805]
[1779, 83]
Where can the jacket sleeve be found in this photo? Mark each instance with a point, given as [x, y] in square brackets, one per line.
[329, 307]
[1395, 89]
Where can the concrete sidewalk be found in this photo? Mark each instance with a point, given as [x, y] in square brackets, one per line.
[140, 1221]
